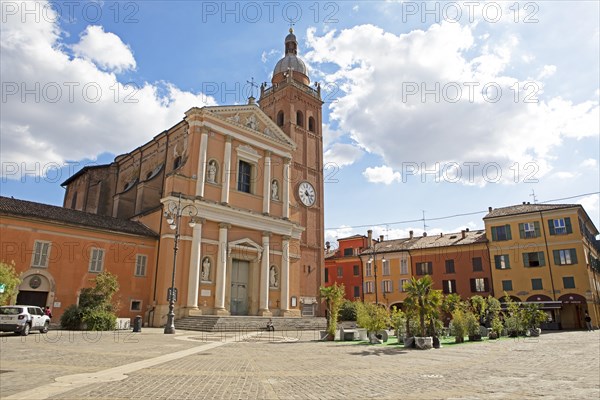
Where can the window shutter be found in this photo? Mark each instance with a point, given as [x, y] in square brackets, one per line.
[508, 235]
[507, 261]
[556, 254]
[486, 287]
[541, 258]
[522, 231]
[526, 259]
[536, 225]
[473, 286]
[37, 254]
[44, 257]
[551, 226]
[497, 261]
[494, 234]
[573, 256]
[568, 225]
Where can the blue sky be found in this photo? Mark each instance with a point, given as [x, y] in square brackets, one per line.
[444, 108]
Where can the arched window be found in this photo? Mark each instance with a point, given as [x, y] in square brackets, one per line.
[311, 124]
[300, 119]
[280, 118]
[177, 162]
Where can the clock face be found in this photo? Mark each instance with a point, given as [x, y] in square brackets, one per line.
[307, 194]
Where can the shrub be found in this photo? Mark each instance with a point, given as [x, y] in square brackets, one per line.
[458, 325]
[497, 325]
[71, 318]
[348, 311]
[398, 322]
[99, 320]
[372, 317]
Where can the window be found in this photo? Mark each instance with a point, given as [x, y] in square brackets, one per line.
[529, 230]
[348, 252]
[536, 284]
[569, 282]
[40, 254]
[449, 267]
[177, 162]
[74, 201]
[565, 257]
[386, 267]
[500, 233]
[402, 283]
[244, 177]
[477, 264]
[280, 118]
[479, 285]
[356, 291]
[356, 270]
[425, 268]
[311, 124]
[340, 272]
[560, 226]
[96, 260]
[299, 119]
[449, 286]
[369, 287]
[386, 286]
[140, 265]
[136, 305]
[369, 271]
[502, 261]
[404, 267]
[534, 259]
[507, 286]
[326, 280]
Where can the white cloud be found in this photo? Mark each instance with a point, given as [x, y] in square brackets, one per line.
[591, 204]
[383, 174]
[342, 154]
[385, 106]
[563, 175]
[105, 49]
[76, 110]
[589, 163]
[547, 71]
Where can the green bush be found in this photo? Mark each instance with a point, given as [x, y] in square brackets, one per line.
[459, 324]
[372, 317]
[99, 320]
[348, 311]
[71, 318]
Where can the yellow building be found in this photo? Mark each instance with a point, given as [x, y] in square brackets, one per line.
[547, 253]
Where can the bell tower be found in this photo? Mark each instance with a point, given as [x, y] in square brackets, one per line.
[295, 107]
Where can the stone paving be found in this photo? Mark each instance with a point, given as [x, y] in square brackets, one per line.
[194, 365]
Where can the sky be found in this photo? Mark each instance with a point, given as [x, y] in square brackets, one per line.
[433, 111]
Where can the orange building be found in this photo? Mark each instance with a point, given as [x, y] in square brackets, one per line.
[344, 265]
[547, 253]
[58, 251]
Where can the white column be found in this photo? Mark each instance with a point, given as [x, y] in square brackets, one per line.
[285, 275]
[194, 270]
[267, 184]
[286, 188]
[264, 277]
[220, 279]
[226, 171]
[202, 161]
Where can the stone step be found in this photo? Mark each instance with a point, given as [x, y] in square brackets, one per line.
[213, 323]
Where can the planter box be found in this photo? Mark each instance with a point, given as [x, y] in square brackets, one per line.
[424, 343]
[409, 342]
[474, 338]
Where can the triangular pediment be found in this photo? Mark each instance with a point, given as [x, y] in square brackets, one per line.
[251, 118]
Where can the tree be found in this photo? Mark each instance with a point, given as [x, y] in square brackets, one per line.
[372, 317]
[479, 306]
[334, 297]
[422, 299]
[10, 279]
[348, 311]
[398, 322]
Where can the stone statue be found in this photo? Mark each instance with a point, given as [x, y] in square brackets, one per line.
[251, 122]
[273, 278]
[274, 190]
[205, 273]
[212, 172]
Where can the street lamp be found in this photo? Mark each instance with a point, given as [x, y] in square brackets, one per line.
[373, 259]
[173, 214]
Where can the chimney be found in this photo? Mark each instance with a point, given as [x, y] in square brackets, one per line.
[327, 246]
[490, 209]
[424, 234]
[441, 234]
[467, 229]
[411, 234]
[524, 203]
[380, 238]
[463, 233]
[370, 237]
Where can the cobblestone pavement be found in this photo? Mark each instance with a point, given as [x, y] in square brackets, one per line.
[193, 365]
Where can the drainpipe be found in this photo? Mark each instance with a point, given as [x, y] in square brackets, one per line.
[548, 255]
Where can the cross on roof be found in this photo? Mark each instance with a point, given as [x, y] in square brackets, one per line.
[252, 86]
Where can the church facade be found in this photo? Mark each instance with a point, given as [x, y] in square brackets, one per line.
[249, 179]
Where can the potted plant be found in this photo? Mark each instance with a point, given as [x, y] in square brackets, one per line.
[472, 323]
[533, 318]
[514, 320]
[334, 297]
[372, 317]
[458, 325]
[496, 328]
[424, 301]
[398, 322]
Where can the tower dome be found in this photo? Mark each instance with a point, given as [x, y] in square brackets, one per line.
[291, 61]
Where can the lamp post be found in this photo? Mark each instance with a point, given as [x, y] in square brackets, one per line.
[173, 214]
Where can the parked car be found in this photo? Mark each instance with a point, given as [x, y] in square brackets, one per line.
[22, 319]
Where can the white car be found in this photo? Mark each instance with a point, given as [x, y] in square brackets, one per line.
[22, 319]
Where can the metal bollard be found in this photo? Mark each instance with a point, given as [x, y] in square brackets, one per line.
[137, 323]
